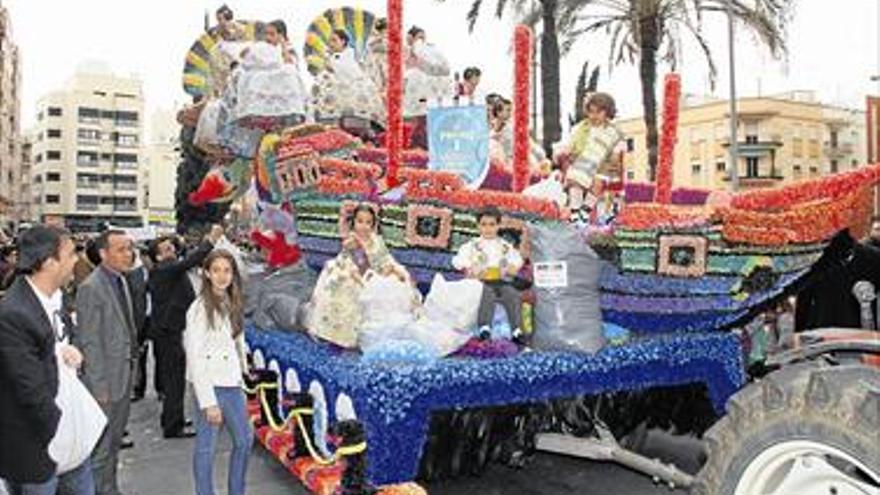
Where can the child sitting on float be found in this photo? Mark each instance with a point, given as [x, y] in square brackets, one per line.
[501, 141]
[269, 91]
[335, 313]
[495, 262]
[593, 151]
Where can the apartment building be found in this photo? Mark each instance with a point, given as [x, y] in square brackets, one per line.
[88, 152]
[781, 139]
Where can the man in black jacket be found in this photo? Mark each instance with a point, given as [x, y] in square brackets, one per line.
[31, 323]
[171, 294]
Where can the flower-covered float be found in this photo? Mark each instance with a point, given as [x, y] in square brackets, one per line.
[684, 265]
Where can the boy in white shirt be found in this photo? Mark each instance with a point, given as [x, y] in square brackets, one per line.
[495, 262]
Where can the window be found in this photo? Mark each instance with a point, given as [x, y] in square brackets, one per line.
[630, 145]
[53, 177]
[40, 116]
[125, 182]
[833, 139]
[87, 181]
[751, 129]
[696, 169]
[53, 199]
[751, 166]
[54, 112]
[99, 93]
[125, 159]
[86, 202]
[53, 133]
[53, 155]
[720, 166]
[106, 157]
[124, 95]
[125, 140]
[797, 169]
[38, 158]
[88, 135]
[89, 114]
[124, 118]
[855, 164]
[87, 158]
[38, 179]
[630, 175]
[108, 114]
[814, 170]
[833, 166]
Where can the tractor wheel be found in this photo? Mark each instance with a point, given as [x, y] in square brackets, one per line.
[804, 429]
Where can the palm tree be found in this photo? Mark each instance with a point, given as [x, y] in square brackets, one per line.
[650, 30]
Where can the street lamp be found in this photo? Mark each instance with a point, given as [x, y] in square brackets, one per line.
[734, 148]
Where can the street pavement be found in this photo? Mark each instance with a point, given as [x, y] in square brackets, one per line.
[156, 466]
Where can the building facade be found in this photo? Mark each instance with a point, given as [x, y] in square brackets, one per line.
[781, 139]
[160, 174]
[23, 208]
[88, 152]
[10, 126]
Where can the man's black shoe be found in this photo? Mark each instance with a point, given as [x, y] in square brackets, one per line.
[188, 423]
[126, 444]
[136, 397]
[184, 433]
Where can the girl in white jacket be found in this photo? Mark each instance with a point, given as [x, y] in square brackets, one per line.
[216, 361]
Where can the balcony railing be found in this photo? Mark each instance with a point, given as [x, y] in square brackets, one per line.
[841, 148]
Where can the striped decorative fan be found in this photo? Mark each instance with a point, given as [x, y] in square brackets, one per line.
[206, 68]
[357, 22]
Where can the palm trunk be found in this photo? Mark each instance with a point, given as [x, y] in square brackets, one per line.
[552, 128]
[650, 37]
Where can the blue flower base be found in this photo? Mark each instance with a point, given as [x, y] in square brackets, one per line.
[395, 400]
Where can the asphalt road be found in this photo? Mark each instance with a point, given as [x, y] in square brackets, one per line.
[156, 466]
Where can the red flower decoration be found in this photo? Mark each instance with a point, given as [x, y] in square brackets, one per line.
[522, 45]
[212, 187]
[832, 187]
[394, 96]
[280, 252]
[671, 96]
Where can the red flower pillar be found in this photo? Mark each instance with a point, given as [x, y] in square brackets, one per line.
[668, 138]
[394, 90]
[522, 46]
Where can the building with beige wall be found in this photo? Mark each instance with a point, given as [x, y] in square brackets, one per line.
[160, 173]
[10, 125]
[782, 139]
[88, 152]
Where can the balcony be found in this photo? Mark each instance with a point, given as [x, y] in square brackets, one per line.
[758, 181]
[838, 150]
[755, 148]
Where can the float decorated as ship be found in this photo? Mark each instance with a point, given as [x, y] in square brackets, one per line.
[680, 261]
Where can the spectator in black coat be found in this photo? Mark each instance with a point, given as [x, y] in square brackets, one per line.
[171, 294]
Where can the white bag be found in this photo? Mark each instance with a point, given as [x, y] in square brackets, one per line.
[82, 420]
[388, 309]
[454, 303]
[550, 189]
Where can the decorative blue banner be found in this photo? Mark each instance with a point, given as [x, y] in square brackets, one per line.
[458, 141]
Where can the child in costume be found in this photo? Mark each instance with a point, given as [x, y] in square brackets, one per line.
[335, 313]
[592, 151]
[269, 91]
[495, 262]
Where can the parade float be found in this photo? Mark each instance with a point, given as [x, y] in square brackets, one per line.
[681, 269]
